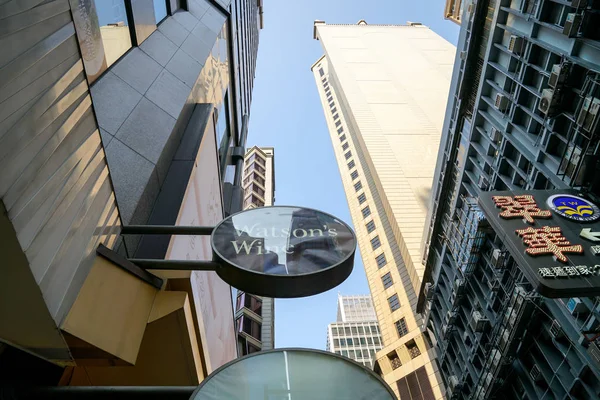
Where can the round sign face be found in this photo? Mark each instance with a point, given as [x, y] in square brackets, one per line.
[297, 374]
[573, 207]
[283, 251]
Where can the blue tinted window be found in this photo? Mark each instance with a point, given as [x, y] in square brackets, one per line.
[160, 10]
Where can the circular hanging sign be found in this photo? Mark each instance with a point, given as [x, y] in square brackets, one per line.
[296, 374]
[573, 207]
[283, 251]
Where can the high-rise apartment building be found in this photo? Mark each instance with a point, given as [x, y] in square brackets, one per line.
[355, 334]
[521, 116]
[254, 315]
[384, 89]
[453, 10]
[112, 114]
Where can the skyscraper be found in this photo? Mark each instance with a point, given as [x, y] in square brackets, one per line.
[112, 114]
[355, 334]
[520, 117]
[254, 315]
[384, 89]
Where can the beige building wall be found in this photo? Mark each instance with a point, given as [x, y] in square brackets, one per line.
[384, 90]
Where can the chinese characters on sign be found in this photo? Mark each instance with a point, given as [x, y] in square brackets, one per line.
[548, 240]
[568, 272]
[523, 206]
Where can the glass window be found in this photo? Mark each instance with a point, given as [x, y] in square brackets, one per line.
[324, 80]
[387, 280]
[350, 342]
[334, 331]
[329, 99]
[345, 146]
[335, 116]
[333, 110]
[347, 331]
[160, 10]
[114, 29]
[370, 226]
[401, 327]
[394, 302]
[357, 186]
[331, 103]
[321, 72]
[363, 341]
[342, 138]
[366, 212]
[336, 342]
[338, 123]
[348, 155]
[375, 243]
[354, 175]
[351, 164]
[342, 342]
[249, 326]
[381, 261]
[340, 130]
[362, 198]
[369, 340]
[252, 303]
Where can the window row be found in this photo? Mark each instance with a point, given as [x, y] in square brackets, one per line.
[257, 158]
[354, 354]
[250, 302]
[249, 326]
[254, 177]
[255, 188]
[254, 200]
[363, 341]
[355, 330]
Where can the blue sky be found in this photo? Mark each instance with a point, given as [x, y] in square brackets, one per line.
[287, 114]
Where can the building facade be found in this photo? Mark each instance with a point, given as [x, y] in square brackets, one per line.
[384, 115]
[113, 114]
[255, 315]
[355, 334]
[522, 115]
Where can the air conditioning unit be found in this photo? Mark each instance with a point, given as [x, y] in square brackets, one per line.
[504, 339]
[497, 258]
[579, 3]
[572, 25]
[463, 55]
[428, 291]
[496, 356]
[585, 107]
[576, 306]
[451, 317]
[501, 102]
[512, 318]
[452, 382]
[535, 374]
[493, 285]
[515, 44]
[555, 330]
[483, 183]
[559, 75]
[549, 102]
[495, 135]
[591, 120]
[478, 321]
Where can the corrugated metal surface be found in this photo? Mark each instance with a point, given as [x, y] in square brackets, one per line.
[54, 179]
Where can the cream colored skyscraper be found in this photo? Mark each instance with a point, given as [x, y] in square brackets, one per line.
[384, 90]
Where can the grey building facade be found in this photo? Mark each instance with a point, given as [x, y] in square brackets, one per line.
[111, 114]
[520, 115]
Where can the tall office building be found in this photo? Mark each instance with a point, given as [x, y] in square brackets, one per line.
[355, 334]
[521, 116]
[384, 90]
[453, 10]
[254, 315]
[117, 113]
